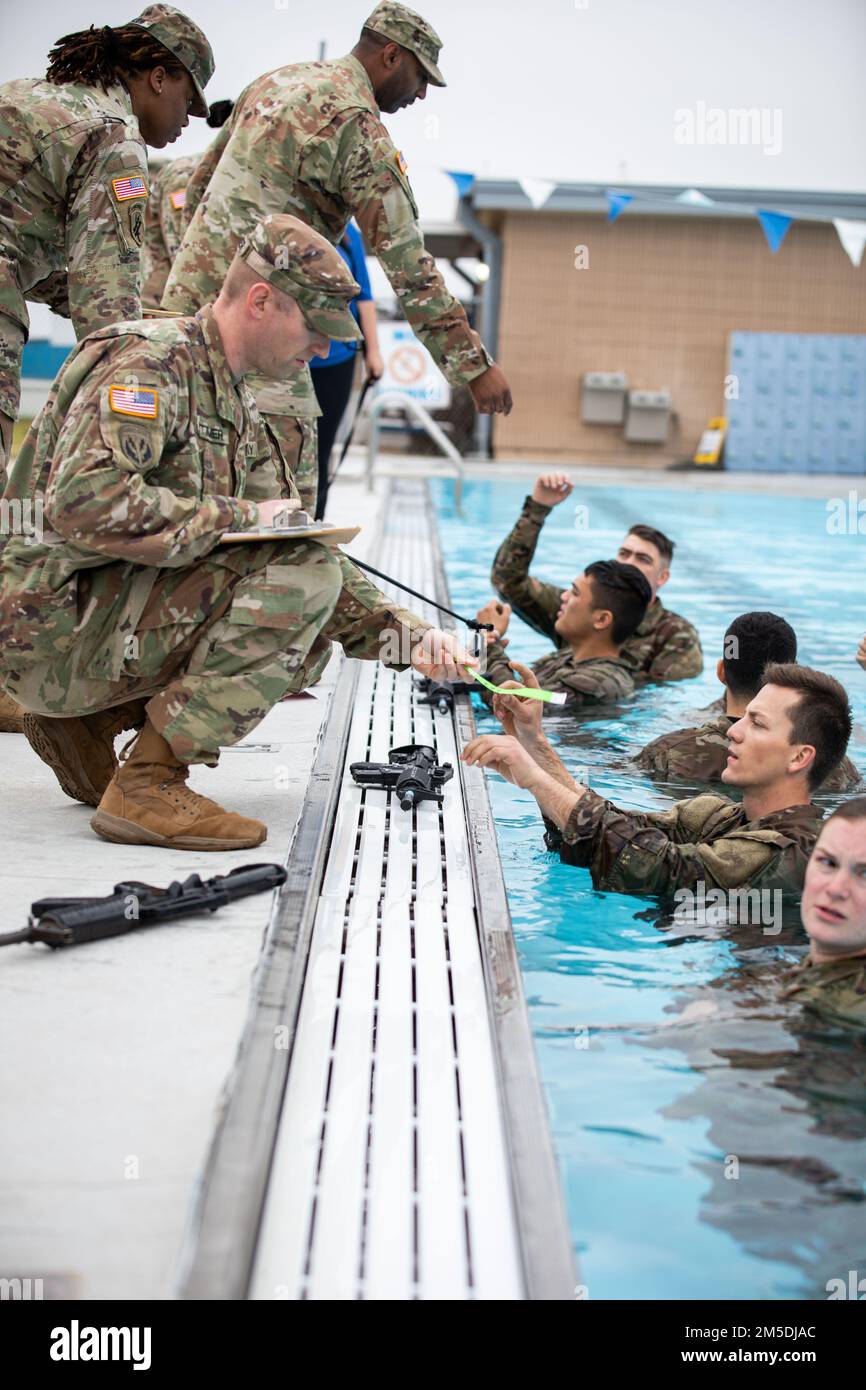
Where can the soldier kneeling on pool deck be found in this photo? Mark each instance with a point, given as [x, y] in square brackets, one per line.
[832, 978]
[700, 753]
[598, 614]
[130, 613]
[793, 732]
[664, 648]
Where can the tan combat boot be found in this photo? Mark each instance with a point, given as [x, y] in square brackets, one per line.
[147, 802]
[11, 715]
[80, 752]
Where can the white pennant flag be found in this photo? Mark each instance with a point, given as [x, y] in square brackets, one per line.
[852, 236]
[537, 190]
[694, 195]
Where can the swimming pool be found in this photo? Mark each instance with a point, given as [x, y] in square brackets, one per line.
[712, 1141]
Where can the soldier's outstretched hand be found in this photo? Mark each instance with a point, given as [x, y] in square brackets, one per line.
[497, 613]
[503, 755]
[441, 656]
[551, 489]
[491, 392]
[522, 718]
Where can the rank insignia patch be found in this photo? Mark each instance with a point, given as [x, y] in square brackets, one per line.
[130, 186]
[134, 400]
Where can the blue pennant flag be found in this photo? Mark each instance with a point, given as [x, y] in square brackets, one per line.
[616, 202]
[775, 225]
[464, 182]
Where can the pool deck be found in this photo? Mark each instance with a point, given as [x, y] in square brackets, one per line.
[117, 1053]
[121, 1054]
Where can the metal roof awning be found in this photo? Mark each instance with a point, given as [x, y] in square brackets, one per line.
[654, 200]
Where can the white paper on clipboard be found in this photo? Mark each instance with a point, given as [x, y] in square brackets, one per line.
[327, 535]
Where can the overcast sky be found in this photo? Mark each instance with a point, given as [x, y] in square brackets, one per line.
[560, 89]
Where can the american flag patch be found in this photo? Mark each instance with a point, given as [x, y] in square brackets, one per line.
[400, 161]
[131, 186]
[178, 198]
[132, 400]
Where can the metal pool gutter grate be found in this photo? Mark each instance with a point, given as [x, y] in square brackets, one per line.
[411, 1158]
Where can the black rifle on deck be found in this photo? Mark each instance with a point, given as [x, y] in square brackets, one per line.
[71, 921]
[440, 694]
[411, 772]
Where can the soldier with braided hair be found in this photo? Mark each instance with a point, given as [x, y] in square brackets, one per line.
[73, 175]
[74, 183]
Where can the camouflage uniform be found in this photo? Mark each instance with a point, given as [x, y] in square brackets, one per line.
[164, 224]
[147, 452]
[700, 755]
[703, 839]
[73, 189]
[836, 990]
[665, 646]
[586, 682]
[308, 139]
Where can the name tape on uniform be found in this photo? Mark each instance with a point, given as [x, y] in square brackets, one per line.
[137, 401]
[130, 186]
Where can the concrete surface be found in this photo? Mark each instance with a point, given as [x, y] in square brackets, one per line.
[116, 1053]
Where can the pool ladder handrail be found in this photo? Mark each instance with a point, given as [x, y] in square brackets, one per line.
[398, 400]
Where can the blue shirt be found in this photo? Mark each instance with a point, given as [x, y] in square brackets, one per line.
[351, 248]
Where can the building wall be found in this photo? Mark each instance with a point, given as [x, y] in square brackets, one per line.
[658, 301]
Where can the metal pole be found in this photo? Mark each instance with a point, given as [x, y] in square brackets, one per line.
[488, 327]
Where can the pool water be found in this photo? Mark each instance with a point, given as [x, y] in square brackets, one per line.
[711, 1139]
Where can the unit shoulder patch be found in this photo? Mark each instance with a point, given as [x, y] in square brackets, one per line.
[129, 186]
[133, 400]
[136, 223]
[136, 447]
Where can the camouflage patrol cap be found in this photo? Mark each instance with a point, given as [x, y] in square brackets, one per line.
[186, 42]
[294, 258]
[404, 26]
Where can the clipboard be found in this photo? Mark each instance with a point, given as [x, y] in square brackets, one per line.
[318, 531]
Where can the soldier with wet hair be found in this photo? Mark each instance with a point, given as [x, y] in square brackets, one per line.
[792, 734]
[700, 754]
[664, 648]
[832, 978]
[601, 610]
